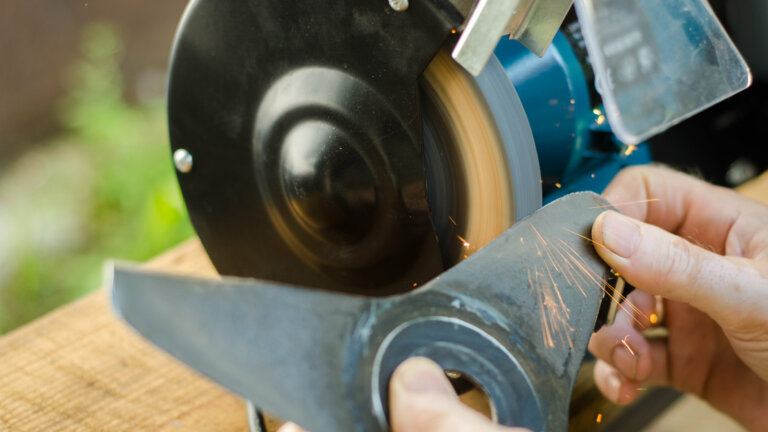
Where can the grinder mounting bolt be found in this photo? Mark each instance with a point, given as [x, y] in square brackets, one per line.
[399, 5]
[182, 160]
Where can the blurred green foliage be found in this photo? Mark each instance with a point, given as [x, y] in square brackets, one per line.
[104, 189]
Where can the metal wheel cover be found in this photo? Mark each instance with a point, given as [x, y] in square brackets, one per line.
[479, 148]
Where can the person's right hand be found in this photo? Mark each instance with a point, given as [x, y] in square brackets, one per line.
[705, 250]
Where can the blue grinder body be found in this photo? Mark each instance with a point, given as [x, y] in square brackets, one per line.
[577, 150]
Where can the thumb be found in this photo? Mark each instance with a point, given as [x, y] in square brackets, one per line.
[658, 262]
[421, 399]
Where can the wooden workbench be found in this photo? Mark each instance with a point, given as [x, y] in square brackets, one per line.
[81, 369]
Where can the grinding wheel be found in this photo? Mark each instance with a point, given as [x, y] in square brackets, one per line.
[482, 168]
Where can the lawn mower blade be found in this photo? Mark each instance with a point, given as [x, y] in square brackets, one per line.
[515, 317]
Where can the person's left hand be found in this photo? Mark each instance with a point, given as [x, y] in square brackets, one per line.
[421, 399]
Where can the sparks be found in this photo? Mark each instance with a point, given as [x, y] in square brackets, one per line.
[552, 307]
[585, 238]
[463, 241]
[593, 175]
[599, 418]
[600, 120]
[453, 31]
[653, 318]
[626, 345]
[415, 284]
[629, 203]
[544, 242]
[570, 270]
[559, 259]
[630, 149]
[547, 333]
[558, 185]
[585, 271]
[597, 112]
[452, 221]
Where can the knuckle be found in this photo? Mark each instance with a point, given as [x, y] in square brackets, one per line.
[600, 344]
[629, 175]
[677, 261]
[750, 315]
[635, 171]
[639, 172]
[632, 183]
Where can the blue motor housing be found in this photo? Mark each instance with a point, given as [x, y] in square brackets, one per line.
[577, 150]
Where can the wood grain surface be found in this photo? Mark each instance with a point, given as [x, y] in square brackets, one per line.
[81, 369]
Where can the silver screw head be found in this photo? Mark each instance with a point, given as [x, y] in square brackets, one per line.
[182, 160]
[399, 5]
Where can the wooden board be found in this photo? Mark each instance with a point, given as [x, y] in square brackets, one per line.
[80, 369]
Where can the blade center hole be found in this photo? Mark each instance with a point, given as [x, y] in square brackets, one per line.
[472, 394]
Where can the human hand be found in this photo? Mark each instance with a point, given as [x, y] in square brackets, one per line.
[421, 399]
[705, 250]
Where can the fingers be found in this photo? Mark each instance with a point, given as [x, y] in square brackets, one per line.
[684, 205]
[661, 263]
[614, 375]
[290, 427]
[664, 197]
[422, 400]
[614, 386]
[621, 344]
[620, 388]
[628, 353]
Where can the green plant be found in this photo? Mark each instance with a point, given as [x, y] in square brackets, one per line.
[107, 183]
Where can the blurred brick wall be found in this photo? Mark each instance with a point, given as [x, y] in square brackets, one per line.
[40, 41]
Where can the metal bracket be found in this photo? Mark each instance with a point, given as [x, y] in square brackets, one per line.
[515, 317]
[533, 22]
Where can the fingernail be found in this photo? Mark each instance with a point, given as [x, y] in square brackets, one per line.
[290, 427]
[620, 234]
[625, 361]
[421, 375]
